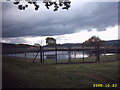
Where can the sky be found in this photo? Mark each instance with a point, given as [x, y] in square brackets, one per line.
[79, 23]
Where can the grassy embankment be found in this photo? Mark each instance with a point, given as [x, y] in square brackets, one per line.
[18, 72]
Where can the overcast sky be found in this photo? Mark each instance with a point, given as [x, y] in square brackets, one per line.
[67, 26]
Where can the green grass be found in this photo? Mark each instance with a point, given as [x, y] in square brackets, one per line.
[87, 59]
[21, 73]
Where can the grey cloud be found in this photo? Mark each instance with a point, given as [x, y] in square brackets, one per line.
[49, 23]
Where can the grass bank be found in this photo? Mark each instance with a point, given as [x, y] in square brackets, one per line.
[18, 73]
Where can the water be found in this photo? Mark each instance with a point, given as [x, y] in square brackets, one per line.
[108, 54]
[61, 55]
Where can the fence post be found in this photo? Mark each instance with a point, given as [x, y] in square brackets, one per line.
[15, 54]
[56, 53]
[97, 52]
[83, 51]
[33, 54]
[25, 55]
[69, 54]
[75, 54]
[41, 54]
[117, 51]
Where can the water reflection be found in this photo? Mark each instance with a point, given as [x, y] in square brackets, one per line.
[61, 55]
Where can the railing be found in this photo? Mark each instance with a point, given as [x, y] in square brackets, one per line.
[92, 50]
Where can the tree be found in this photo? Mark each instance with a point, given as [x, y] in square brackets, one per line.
[93, 41]
[50, 41]
[23, 4]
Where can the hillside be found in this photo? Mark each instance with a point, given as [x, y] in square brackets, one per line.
[11, 48]
[113, 42]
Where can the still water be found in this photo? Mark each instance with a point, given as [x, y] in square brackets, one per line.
[61, 55]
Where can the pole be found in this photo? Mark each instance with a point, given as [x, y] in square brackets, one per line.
[25, 55]
[41, 54]
[36, 56]
[56, 53]
[83, 51]
[33, 54]
[69, 54]
[116, 51]
[75, 54]
[97, 52]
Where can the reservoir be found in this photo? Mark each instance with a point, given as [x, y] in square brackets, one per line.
[61, 55]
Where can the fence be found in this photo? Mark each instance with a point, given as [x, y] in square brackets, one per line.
[94, 54]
